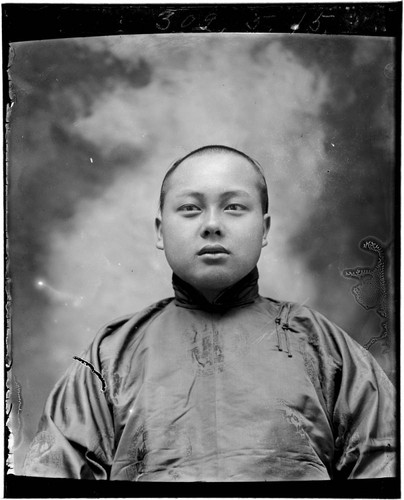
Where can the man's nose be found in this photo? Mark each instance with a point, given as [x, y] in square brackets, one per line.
[211, 224]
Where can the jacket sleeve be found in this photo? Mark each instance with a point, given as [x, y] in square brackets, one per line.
[75, 435]
[364, 416]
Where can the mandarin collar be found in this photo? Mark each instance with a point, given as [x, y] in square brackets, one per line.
[241, 293]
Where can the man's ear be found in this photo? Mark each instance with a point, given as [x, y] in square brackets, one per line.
[159, 233]
[266, 226]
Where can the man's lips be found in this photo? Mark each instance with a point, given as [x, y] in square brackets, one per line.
[212, 250]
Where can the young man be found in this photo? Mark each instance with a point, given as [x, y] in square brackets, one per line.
[218, 383]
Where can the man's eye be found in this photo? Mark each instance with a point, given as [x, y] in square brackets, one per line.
[235, 207]
[189, 208]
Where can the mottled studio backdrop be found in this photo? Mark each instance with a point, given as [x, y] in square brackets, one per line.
[96, 122]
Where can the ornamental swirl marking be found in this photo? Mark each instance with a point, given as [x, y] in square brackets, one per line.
[371, 292]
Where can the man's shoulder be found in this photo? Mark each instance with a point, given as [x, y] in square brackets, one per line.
[311, 324]
[288, 311]
[121, 328]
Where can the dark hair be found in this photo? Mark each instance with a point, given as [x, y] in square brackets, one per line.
[219, 149]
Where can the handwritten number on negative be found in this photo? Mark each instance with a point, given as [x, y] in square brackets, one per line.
[165, 16]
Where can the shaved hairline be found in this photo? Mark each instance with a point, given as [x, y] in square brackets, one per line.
[205, 150]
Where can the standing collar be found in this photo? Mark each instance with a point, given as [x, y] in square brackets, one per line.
[241, 293]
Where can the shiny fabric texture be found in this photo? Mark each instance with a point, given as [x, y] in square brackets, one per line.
[244, 389]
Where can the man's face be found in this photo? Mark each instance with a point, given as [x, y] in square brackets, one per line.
[212, 227]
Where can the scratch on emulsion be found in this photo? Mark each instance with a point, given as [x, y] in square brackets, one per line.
[20, 402]
[86, 363]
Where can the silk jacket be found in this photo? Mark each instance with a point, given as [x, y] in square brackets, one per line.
[244, 389]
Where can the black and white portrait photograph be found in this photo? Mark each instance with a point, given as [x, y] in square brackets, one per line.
[201, 239]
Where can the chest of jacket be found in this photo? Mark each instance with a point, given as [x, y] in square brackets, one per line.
[198, 387]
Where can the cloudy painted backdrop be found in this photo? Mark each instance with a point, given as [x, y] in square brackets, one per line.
[96, 122]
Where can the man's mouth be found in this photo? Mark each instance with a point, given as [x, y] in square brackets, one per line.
[212, 250]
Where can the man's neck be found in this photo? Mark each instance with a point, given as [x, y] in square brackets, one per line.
[211, 295]
[243, 292]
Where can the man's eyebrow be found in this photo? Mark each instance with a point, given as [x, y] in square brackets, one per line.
[189, 192]
[225, 194]
[235, 192]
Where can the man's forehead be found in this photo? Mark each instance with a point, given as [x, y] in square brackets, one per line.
[199, 175]
[209, 155]
[211, 161]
